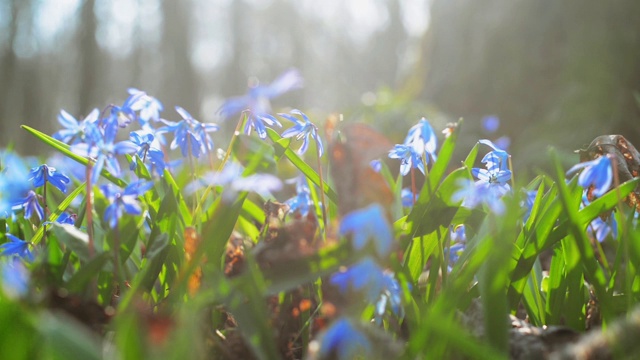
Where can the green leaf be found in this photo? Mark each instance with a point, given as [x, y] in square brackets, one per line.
[88, 272]
[61, 208]
[74, 239]
[65, 338]
[301, 165]
[65, 149]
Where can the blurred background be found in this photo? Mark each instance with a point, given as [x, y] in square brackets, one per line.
[554, 72]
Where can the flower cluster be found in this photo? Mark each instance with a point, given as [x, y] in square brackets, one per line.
[420, 143]
[492, 183]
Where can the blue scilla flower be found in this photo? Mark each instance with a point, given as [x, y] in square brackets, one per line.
[495, 160]
[368, 224]
[391, 297]
[600, 229]
[344, 341]
[365, 276]
[75, 131]
[16, 247]
[43, 173]
[473, 194]
[149, 108]
[14, 182]
[65, 218]
[302, 201]
[407, 197]
[423, 140]
[30, 204]
[408, 156]
[15, 278]
[304, 130]
[123, 201]
[257, 102]
[101, 147]
[146, 151]
[490, 123]
[596, 174]
[189, 134]
[231, 178]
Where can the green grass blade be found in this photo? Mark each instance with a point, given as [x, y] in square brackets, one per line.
[301, 165]
[65, 149]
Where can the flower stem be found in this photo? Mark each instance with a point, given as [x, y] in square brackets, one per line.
[46, 208]
[89, 210]
[413, 185]
[209, 188]
[325, 205]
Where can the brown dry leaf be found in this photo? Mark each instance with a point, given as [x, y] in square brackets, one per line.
[191, 243]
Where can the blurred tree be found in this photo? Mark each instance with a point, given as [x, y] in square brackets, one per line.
[556, 72]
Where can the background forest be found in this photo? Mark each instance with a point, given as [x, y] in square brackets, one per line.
[545, 68]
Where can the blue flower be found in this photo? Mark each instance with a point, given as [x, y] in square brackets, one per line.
[66, 218]
[368, 224]
[302, 130]
[149, 107]
[30, 204]
[391, 296]
[14, 182]
[423, 140]
[17, 247]
[459, 234]
[43, 173]
[343, 341]
[600, 229]
[256, 101]
[231, 178]
[190, 135]
[123, 201]
[102, 148]
[495, 160]
[473, 194]
[146, 152]
[75, 131]
[302, 201]
[528, 203]
[408, 156]
[490, 123]
[407, 197]
[15, 278]
[596, 176]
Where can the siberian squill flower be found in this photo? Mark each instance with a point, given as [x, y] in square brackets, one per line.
[407, 197]
[304, 130]
[43, 173]
[149, 107]
[600, 229]
[423, 140]
[408, 156]
[378, 286]
[257, 102]
[596, 175]
[123, 201]
[190, 134]
[344, 341]
[302, 201]
[490, 123]
[14, 182]
[458, 244]
[492, 182]
[75, 131]
[146, 151]
[15, 278]
[231, 178]
[368, 225]
[101, 147]
[29, 204]
[16, 246]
